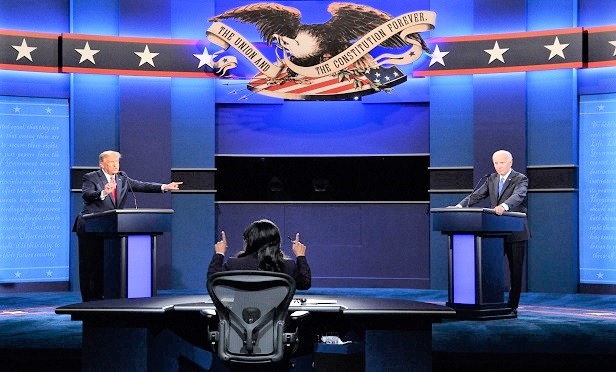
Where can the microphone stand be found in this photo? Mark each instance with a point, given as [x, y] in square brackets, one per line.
[468, 202]
[121, 173]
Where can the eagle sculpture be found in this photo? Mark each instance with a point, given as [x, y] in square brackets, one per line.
[311, 44]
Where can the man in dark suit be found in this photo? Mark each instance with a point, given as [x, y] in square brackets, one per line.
[510, 196]
[103, 190]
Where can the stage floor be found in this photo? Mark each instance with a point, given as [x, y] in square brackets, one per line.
[552, 331]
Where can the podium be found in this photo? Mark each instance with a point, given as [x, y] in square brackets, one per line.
[476, 274]
[130, 248]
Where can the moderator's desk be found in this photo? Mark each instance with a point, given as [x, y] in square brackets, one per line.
[139, 333]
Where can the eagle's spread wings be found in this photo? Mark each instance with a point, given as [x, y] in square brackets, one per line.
[352, 21]
[349, 22]
[269, 18]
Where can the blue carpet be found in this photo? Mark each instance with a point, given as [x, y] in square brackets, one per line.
[556, 328]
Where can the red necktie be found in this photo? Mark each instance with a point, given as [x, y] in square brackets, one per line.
[113, 193]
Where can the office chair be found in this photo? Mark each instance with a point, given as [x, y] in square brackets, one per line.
[252, 311]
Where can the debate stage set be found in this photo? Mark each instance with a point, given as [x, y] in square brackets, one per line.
[553, 332]
[356, 125]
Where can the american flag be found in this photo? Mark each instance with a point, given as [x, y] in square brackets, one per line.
[346, 84]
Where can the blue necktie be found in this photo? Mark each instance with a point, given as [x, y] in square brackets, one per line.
[500, 186]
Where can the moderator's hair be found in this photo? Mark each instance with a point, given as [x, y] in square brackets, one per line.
[263, 238]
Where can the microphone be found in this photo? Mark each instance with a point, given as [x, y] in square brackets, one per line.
[468, 202]
[121, 173]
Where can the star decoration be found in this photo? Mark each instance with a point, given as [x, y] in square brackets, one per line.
[87, 54]
[556, 49]
[614, 44]
[48, 110]
[17, 274]
[437, 56]
[204, 58]
[496, 53]
[600, 276]
[600, 107]
[146, 56]
[17, 109]
[24, 50]
[49, 273]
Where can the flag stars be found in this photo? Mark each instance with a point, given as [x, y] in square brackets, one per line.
[556, 49]
[204, 58]
[49, 273]
[87, 54]
[17, 274]
[17, 109]
[24, 51]
[496, 53]
[146, 56]
[437, 56]
[600, 108]
[48, 110]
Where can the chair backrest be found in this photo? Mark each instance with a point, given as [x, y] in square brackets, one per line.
[252, 307]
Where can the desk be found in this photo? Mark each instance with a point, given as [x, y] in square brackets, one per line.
[141, 333]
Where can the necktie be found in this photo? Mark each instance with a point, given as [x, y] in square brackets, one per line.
[500, 185]
[113, 193]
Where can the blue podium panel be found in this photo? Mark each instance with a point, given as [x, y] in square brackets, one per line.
[139, 266]
[462, 261]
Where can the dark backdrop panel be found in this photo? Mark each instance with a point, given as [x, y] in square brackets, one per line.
[500, 119]
[376, 178]
[145, 144]
[349, 245]
[310, 128]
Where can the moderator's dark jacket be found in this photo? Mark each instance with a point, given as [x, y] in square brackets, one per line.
[298, 269]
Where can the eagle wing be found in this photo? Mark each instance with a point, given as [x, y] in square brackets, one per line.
[269, 18]
[352, 21]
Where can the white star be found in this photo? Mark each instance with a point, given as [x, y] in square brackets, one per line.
[48, 110]
[17, 274]
[146, 56]
[614, 44]
[49, 273]
[17, 109]
[496, 53]
[204, 58]
[600, 107]
[87, 54]
[437, 56]
[24, 50]
[556, 49]
[600, 276]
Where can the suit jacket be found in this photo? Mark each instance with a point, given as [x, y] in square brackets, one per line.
[298, 269]
[514, 195]
[92, 185]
